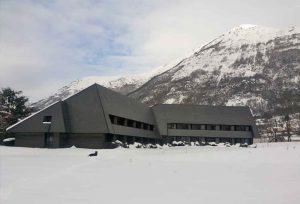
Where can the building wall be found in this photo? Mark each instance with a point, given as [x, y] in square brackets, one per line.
[194, 114]
[210, 133]
[84, 113]
[94, 141]
[34, 123]
[35, 139]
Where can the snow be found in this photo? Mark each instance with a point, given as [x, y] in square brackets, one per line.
[266, 174]
[244, 35]
[9, 139]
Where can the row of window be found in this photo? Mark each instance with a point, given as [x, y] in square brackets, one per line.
[184, 126]
[116, 120]
[210, 139]
[129, 139]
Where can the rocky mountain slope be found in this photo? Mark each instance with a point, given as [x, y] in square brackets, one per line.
[249, 65]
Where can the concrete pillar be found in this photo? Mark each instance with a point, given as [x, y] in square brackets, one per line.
[232, 128]
[232, 141]
[217, 140]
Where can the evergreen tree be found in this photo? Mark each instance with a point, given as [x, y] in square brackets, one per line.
[12, 107]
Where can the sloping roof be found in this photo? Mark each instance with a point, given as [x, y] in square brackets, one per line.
[84, 112]
[33, 123]
[120, 105]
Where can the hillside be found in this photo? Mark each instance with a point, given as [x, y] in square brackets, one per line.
[249, 65]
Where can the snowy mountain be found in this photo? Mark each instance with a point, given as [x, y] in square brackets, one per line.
[249, 65]
[124, 85]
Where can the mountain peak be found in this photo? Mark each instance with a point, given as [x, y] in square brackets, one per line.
[247, 26]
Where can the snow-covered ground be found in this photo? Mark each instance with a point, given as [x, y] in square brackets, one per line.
[267, 174]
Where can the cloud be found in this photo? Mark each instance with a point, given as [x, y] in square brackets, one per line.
[46, 44]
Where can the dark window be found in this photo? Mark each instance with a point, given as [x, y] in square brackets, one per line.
[177, 138]
[240, 128]
[145, 126]
[138, 139]
[130, 123]
[226, 127]
[210, 139]
[120, 121]
[182, 126]
[129, 140]
[120, 138]
[112, 119]
[211, 127]
[171, 126]
[138, 125]
[194, 139]
[196, 127]
[47, 119]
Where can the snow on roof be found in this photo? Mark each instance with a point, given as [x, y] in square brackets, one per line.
[20, 121]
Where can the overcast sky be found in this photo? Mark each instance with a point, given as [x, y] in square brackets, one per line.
[45, 44]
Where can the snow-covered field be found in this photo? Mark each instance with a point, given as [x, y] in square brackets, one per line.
[267, 174]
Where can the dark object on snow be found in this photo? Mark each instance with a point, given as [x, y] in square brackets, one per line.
[93, 154]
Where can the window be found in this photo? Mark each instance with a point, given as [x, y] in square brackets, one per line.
[116, 120]
[196, 127]
[226, 127]
[194, 139]
[211, 127]
[121, 121]
[138, 125]
[177, 138]
[182, 126]
[145, 126]
[112, 119]
[151, 127]
[47, 119]
[171, 126]
[130, 123]
[120, 138]
[240, 128]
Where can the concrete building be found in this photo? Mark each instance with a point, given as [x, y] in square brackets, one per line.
[97, 116]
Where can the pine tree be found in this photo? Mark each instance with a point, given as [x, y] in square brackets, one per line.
[12, 107]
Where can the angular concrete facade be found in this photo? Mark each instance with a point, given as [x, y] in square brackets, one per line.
[96, 116]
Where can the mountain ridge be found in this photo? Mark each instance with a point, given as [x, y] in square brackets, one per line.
[213, 74]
